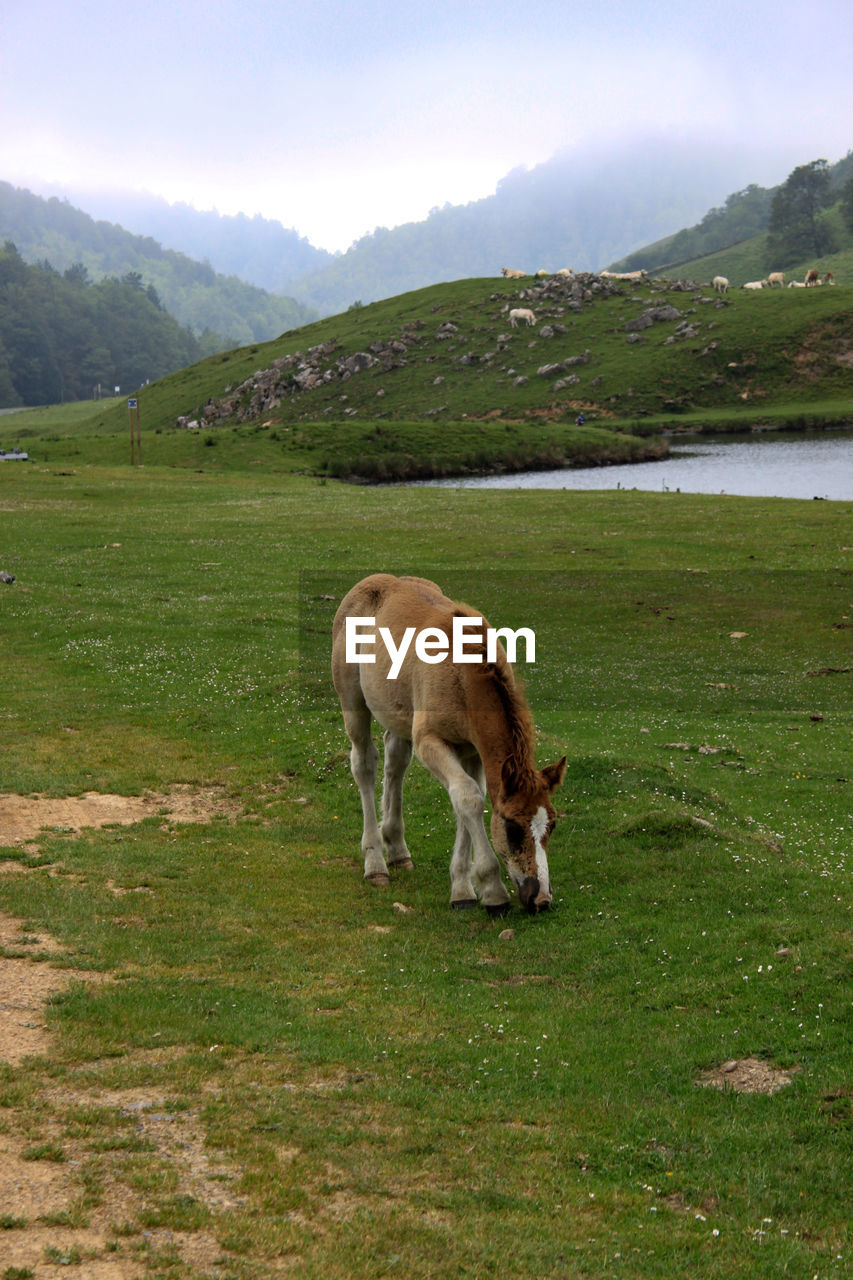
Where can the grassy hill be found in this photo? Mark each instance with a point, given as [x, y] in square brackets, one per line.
[437, 380]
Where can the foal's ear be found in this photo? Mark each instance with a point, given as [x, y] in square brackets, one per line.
[554, 774]
[511, 777]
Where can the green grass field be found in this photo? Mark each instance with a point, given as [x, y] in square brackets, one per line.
[365, 1083]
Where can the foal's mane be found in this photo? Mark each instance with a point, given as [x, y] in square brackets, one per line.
[516, 712]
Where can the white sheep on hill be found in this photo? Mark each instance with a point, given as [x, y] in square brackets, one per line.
[521, 313]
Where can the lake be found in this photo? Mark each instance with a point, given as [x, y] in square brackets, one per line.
[762, 464]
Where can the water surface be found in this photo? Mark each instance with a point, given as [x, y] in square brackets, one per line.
[761, 465]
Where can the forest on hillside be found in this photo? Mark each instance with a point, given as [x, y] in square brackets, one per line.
[222, 311]
[794, 214]
[62, 336]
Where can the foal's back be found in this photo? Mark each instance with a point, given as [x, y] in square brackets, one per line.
[400, 603]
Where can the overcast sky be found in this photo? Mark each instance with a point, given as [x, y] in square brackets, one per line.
[338, 117]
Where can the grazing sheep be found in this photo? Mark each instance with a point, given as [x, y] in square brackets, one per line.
[564, 271]
[624, 275]
[812, 277]
[521, 313]
[776, 277]
[541, 273]
[512, 273]
[721, 284]
[755, 284]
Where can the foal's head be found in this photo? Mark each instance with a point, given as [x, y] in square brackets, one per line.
[522, 821]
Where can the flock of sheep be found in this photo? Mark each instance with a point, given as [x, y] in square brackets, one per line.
[519, 315]
[721, 284]
[512, 273]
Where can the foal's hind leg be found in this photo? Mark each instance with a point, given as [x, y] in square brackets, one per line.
[398, 754]
[363, 758]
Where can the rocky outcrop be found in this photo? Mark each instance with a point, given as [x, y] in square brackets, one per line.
[297, 374]
[652, 315]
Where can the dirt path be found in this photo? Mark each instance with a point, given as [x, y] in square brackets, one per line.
[40, 1198]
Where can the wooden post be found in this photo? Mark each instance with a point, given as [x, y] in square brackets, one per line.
[133, 405]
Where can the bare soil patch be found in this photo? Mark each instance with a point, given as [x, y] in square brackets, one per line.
[25, 988]
[748, 1075]
[24, 818]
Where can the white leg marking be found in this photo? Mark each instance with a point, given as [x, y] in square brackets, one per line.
[538, 829]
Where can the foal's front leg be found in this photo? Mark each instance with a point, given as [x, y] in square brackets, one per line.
[462, 891]
[467, 798]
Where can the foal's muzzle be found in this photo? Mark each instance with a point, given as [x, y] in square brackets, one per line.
[530, 896]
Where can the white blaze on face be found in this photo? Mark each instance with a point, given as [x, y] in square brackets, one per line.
[539, 829]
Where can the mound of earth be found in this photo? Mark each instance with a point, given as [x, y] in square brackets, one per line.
[748, 1075]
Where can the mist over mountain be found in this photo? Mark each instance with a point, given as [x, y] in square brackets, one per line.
[584, 208]
[580, 209]
[260, 251]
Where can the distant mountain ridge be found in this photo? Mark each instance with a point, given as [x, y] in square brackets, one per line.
[258, 250]
[579, 209]
[222, 311]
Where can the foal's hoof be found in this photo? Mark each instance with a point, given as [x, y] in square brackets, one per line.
[379, 880]
[501, 909]
[464, 904]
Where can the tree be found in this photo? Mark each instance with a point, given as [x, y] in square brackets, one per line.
[847, 203]
[796, 230]
[77, 273]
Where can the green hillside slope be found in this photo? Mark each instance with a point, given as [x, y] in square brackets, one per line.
[732, 236]
[450, 351]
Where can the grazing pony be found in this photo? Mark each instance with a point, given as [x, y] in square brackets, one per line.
[469, 725]
[521, 313]
[812, 277]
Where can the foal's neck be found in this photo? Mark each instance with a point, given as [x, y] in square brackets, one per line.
[503, 730]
